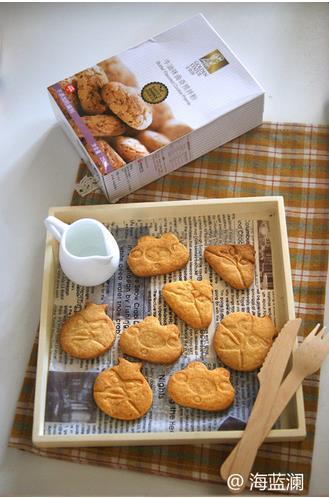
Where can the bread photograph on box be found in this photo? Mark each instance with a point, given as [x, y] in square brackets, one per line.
[151, 109]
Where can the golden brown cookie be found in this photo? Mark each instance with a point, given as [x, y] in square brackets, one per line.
[157, 256]
[174, 129]
[151, 341]
[129, 148]
[115, 70]
[89, 83]
[152, 140]
[101, 126]
[234, 263]
[126, 103]
[161, 113]
[198, 387]
[242, 340]
[191, 300]
[122, 391]
[88, 333]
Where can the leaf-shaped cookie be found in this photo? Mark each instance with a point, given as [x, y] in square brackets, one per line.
[198, 387]
[234, 263]
[122, 391]
[191, 300]
[151, 341]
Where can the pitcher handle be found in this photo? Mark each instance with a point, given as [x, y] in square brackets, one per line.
[56, 227]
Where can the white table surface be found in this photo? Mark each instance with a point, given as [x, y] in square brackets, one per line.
[286, 46]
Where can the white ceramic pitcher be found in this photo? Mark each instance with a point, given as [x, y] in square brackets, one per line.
[88, 253]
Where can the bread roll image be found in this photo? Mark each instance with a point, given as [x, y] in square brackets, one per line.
[89, 83]
[129, 148]
[161, 113]
[174, 129]
[115, 70]
[152, 139]
[126, 103]
[111, 155]
[101, 125]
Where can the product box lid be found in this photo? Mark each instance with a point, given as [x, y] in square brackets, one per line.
[130, 105]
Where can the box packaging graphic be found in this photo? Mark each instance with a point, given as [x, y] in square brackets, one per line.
[155, 107]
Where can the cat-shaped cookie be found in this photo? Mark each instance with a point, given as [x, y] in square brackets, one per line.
[151, 341]
[88, 333]
[157, 256]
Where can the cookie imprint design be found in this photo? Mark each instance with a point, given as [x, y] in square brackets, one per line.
[235, 264]
[88, 333]
[157, 256]
[198, 387]
[151, 341]
[191, 300]
[242, 340]
[122, 391]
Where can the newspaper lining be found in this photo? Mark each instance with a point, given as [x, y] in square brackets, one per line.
[70, 408]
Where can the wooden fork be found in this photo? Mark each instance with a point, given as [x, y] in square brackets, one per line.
[307, 359]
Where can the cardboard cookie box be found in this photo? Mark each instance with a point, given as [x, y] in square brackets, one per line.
[153, 108]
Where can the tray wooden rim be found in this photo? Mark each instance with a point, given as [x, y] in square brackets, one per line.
[43, 440]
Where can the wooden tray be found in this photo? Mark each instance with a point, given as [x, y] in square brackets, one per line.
[272, 208]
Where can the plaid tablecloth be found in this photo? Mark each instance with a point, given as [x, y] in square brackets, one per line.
[275, 159]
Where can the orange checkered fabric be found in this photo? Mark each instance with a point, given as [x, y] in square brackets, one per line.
[291, 160]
